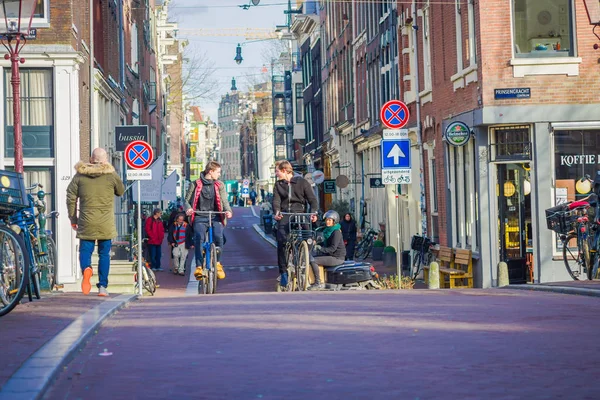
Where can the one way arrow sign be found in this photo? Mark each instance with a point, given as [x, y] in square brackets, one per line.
[395, 153]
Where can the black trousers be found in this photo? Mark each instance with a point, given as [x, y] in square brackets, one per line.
[283, 230]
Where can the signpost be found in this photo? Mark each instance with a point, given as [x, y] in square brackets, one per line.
[395, 161]
[139, 155]
[245, 188]
[394, 114]
[329, 186]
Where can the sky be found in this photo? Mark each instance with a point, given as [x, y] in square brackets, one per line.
[220, 50]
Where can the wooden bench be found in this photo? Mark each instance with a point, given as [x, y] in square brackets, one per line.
[460, 272]
[445, 258]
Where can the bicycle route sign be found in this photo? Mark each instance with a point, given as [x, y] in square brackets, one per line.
[138, 154]
[394, 114]
[395, 161]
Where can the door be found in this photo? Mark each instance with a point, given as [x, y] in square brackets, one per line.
[514, 219]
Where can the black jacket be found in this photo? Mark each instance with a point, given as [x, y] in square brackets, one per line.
[301, 195]
[334, 246]
[348, 230]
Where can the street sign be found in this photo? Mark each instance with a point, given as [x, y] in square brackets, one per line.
[245, 192]
[395, 133]
[127, 134]
[138, 154]
[318, 177]
[395, 153]
[394, 114]
[376, 183]
[396, 176]
[245, 183]
[139, 174]
[329, 186]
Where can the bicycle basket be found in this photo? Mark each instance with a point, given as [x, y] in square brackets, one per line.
[420, 242]
[560, 219]
[13, 196]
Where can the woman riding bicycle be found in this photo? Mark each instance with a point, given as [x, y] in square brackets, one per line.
[290, 194]
[333, 250]
[208, 194]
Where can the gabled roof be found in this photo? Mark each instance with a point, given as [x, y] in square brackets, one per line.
[197, 114]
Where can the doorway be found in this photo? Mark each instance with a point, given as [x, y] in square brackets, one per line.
[514, 221]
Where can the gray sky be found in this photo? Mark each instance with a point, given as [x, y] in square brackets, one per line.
[220, 50]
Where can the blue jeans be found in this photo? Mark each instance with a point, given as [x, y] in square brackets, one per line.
[155, 252]
[200, 231]
[86, 248]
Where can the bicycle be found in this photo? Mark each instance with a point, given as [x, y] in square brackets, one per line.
[148, 277]
[422, 254]
[299, 242]
[208, 283]
[46, 249]
[364, 247]
[14, 269]
[571, 222]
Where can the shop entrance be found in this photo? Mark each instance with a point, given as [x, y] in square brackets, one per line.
[514, 221]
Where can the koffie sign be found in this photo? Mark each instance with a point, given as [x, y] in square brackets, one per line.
[457, 133]
[127, 134]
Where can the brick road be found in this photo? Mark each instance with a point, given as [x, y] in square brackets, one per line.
[474, 344]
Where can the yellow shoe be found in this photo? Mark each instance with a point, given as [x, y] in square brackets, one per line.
[199, 273]
[220, 271]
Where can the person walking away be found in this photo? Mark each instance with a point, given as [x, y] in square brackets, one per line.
[94, 186]
[155, 230]
[253, 197]
[332, 252]
[208, 193]
[349, 233]
[290, 194]
[179, 239]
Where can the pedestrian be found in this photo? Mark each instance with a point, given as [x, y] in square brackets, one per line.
[253, 197]
[156, 234]
[349, 233]
[234, 195]
[94, 186]
[180, 241]
[332, 251]
[262, 195]
[290, 194]
[208, 193]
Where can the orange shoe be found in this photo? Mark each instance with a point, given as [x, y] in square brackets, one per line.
[220, 271]
[86, 286]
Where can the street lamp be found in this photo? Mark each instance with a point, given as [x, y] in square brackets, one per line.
[15, 28]
[238, 54]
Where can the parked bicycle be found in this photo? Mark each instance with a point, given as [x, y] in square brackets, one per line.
[299, 243]
[422, 254]
[364, 247]
[208, 283]
[579, 236]
[149, 282]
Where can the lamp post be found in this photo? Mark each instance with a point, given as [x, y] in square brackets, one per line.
[15, 19]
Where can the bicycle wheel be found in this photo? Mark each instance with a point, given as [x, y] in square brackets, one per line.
[302, 266]
[147, 280]
[362, 250]
[50, 265]
[213, 269]
[573, 258]
[290, 263]
[416, 264]
[14, 270]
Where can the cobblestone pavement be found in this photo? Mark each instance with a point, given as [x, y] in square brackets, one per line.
[474, 344]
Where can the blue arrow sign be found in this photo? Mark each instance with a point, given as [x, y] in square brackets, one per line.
[395, 153]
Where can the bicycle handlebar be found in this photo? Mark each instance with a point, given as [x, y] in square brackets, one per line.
[578, 204]
[209, 212]
[297, 214]
[34, 186]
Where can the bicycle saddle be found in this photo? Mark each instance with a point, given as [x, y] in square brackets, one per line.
[578, 204]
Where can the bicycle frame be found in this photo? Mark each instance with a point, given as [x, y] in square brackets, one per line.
[206, 246]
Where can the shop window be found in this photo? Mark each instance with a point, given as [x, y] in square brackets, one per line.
[464, 195]
[510, 143]
[36, 113]
[542, 28]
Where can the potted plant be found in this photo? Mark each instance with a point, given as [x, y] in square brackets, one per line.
[389, 256]
[378, 247]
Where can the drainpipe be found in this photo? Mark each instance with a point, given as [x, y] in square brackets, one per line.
[94, 142]
[419, 135]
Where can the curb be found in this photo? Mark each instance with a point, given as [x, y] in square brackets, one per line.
[556, 289]
[36, 374]
[259, 230]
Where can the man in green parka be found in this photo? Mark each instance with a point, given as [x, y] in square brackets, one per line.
[95, 185]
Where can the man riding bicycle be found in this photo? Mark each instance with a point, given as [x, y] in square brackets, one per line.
[290, 194]
[208, 194]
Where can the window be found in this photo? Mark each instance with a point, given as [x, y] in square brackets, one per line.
[36, 113]
[464, 195]
[134, 48]
[542, 28]
[299, 104]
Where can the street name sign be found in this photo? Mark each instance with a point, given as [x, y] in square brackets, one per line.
[139, 174]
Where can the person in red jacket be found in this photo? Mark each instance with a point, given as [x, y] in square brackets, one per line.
[155, 230]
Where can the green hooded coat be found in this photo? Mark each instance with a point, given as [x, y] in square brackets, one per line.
[95, 185]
